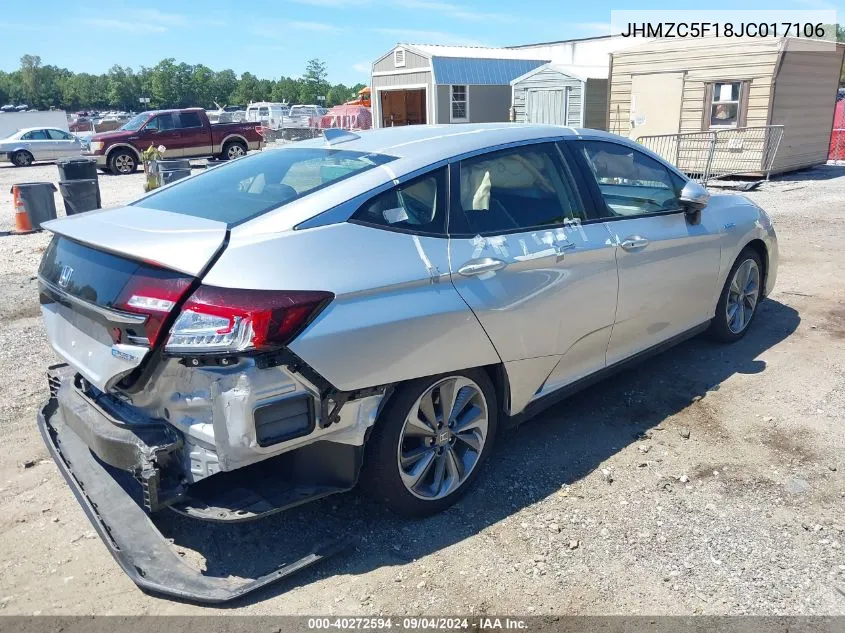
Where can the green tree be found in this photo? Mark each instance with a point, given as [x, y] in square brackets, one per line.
[314, 82]
[339, 94]
[286, 90]
[29, 75]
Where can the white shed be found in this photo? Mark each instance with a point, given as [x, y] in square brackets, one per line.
[561, 95]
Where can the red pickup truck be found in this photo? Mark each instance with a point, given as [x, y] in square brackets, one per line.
[184, 133]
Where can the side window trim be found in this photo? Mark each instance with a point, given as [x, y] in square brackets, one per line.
[592, 181]
[371, 195]
[548, 144]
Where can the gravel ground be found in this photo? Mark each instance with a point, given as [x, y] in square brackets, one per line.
[709, 480]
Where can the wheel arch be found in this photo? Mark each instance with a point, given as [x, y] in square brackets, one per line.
[759, 246]
[234, 137]
[118, 146]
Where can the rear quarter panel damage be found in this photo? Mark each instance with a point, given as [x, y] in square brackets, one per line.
[396, 316]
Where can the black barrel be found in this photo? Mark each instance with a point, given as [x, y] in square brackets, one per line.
[77, 168]
[80, 195]
[38, 200]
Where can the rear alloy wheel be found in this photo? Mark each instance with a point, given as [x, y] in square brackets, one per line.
[739, 299]
[123, 162]
[430, 441]
[22, 158]
[233, 150]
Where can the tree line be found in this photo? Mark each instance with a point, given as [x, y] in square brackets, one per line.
[167, 84]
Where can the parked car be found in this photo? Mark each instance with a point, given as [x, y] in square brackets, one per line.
[302, 116]
[185, 133]
[255, 336]
[267, 114]
[26, 146]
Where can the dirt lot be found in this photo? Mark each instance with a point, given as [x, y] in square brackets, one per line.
[710, 480]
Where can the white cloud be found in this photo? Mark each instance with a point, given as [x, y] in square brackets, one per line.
[598, 28]
[452, 10]
[277, 29]
[333, 3]
[139, 21]
[362, 67]
[124, 25]
[439, 37]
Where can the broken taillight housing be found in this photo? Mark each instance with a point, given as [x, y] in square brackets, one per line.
[226, 320]
[152, 292]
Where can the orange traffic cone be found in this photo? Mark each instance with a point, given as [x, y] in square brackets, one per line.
[22, 222]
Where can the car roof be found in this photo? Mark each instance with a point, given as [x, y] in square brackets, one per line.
[417, 146]
[24, 130]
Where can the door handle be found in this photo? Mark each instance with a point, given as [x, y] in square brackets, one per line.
[479, 266]
[633, 243]
[562, 247]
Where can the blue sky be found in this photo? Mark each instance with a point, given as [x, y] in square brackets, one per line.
[271, 39]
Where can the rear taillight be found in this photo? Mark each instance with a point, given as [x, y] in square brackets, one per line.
[154, 293]
[234, 320]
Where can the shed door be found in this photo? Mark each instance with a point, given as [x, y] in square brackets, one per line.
[656, 103]
[547, 106]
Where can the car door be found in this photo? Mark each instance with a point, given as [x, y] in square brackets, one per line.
[66, 144]
[38, 143]
[537, 270]
[195, 138]
[668, 262]
[161, 130]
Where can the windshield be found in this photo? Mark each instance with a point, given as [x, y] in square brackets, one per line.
[136, 122]
[248, 187]
[13, 134]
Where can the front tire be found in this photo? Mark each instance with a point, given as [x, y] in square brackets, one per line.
[740, 298]
[430, 442]
[22, 158]
[122, 162]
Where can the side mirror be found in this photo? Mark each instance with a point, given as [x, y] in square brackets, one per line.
[694, 197]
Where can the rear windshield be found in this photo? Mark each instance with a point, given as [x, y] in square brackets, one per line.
[248, 187]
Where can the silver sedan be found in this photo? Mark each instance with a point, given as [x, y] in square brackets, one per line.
[26, 146]
[381, 304]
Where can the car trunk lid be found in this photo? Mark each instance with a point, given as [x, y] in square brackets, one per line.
[109, 286]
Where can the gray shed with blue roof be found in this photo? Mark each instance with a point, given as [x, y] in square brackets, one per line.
[419, 83]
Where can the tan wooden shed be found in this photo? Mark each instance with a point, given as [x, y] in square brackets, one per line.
[673, 86]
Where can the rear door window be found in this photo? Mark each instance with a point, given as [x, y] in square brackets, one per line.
[248, 187]
[416, 206]
[35, 135]
[189, 119]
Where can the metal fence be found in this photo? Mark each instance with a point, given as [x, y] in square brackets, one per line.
[719, 153]
[837, 146]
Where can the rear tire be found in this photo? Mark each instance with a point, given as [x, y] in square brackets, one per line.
[233, 150]
[122, 162]
[22, 158]
[419, 466]
[740, 298]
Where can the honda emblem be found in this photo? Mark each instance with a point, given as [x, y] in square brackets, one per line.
[64, 277]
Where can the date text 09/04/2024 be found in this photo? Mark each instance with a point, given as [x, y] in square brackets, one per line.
[717, 29]
[421, 623]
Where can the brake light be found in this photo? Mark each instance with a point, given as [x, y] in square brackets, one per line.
[234, 320]
[153, 292]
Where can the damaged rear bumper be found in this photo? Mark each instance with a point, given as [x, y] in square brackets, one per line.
[73, 435]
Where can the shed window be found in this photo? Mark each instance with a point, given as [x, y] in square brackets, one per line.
[460, 104]
[399, 58]
[726, 104]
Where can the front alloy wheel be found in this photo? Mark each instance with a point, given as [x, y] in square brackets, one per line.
[443, 438]
[742, 296]
[429, 442]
